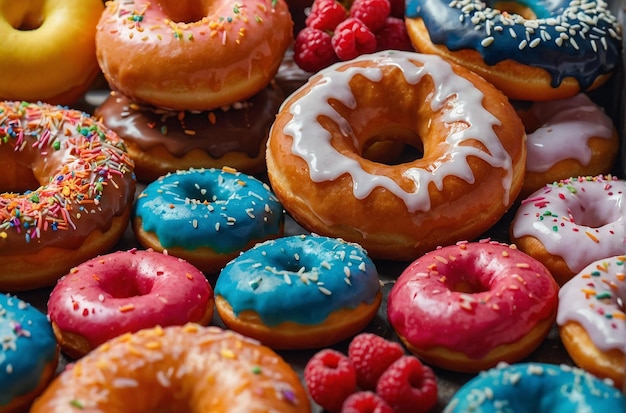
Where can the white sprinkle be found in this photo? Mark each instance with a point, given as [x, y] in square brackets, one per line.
[287, 279]
[535, 43]
[512, 33]
[217, 226]
[324, 290]
[9, 368]
[487, 41]
[194, 223]
[522, 44]
[347, 281]
[346, 271]
[101, 298]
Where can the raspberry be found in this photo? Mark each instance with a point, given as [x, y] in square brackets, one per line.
[326, 15]
[365, 402]
[408, 386]
[353, 38]
[371, 12]
[371, 355]
[313, 50]
[393, 36]
[330, 378]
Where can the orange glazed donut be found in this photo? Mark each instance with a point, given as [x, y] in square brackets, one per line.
[124, 292]
[470, 173]
[178, 369]
[469, 306]
[48, 49]
[189, 54]
[67, 188]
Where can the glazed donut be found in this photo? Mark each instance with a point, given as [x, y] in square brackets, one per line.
[181, 368]
[124, 292]
[206, 216]
[192, 55]
[299, 292]
[577, 124]
[470, 173]
[536, 51]
[28, 356]
[67, 188]
[162, 141]
[536, 387]
[48, 49]
[591, 318]
[468, 306]
[569, 224]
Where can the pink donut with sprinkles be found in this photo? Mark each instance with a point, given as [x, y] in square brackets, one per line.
[469, 306]
[571, 223]
[192, 55]
[124, 292]
[66, 190]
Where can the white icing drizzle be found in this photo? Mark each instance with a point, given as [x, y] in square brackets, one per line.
[311, 141]
[567, 123]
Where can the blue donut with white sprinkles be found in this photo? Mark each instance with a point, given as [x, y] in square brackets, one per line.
[206, 216]
[536, 50]
[299, 292]
[28, 353]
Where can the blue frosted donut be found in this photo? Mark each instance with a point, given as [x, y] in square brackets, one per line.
[206, 216]
[302, 291]
[538, 388]
[28, 353]
[560, 47]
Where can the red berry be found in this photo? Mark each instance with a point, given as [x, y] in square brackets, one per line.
[370, 355]
[393, 36]
[313, 50]
[408, 386]
[326, 15]
[330, 378]
[371, 12]
[353, 38]
[365, 402]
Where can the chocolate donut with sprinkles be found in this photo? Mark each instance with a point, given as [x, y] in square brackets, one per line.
[536, 50]
[206, 216]
[299, 292]
[67, 189]
[28, 355]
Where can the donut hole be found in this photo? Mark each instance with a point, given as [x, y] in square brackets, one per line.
[127, 285]
[589, 216]
[514, 7]
[31, 20]
[467, 276]
[393, 148]
[20, 180]
[184, 11]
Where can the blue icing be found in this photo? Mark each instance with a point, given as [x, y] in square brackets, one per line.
[299, 278]
[219, 209]
[568, 38]
[538, 388]
[27, 345]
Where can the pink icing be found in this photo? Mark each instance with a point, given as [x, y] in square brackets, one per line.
[509, 292]
[581, 220]
[595, 298]
[567, 123]
[127, 291]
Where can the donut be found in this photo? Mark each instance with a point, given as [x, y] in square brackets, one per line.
[206, 216]
[591, 318]
[577, 124]
[299, 292]
[569, 224]
[162, 141]
[67, 188]
[192, 55]
[536, 387]
[48, 49]
[537, 50]
[28, 356]
[177, 368]
[469, 174]
[469, 306]
[124, 292]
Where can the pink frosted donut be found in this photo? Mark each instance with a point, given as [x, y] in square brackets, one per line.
[569, 224]
[124, 292]
[468, 306]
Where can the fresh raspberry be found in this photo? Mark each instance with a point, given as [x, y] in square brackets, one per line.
[371, 12]
[393, 36]
[353, 38]
[326, 15]
[313, 50]
[408, 386]
[330, 378]
[370, 355]
[365, 402]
